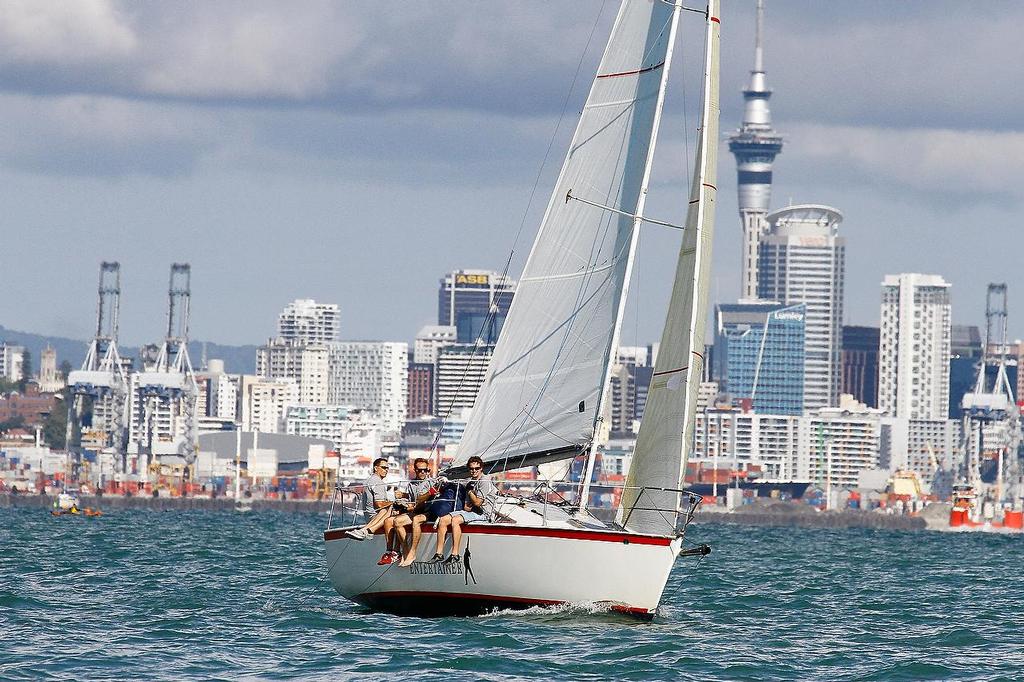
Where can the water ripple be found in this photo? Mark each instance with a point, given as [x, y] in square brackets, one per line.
[212, 595]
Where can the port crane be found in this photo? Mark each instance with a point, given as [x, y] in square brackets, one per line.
[102, 379]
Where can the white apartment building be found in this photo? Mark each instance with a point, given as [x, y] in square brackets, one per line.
[920, 445]
[308, 365]
[802, 260]
[429, 340]
[914, 347]
[461, 370]
[741, 439]
[304, 321]
[373, 375]
[265, 402]
[837, 443]
[343, 425]
[12, 359]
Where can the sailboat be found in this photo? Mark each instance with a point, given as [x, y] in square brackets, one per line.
[542, 398]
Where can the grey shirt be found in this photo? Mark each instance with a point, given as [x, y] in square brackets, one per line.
[375, 489]
[484, 487]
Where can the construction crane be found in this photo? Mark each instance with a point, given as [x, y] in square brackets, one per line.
[102, 380]
[166, 388]
[991, 417]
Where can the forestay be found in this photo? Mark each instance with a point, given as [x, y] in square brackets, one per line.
[540, 399]
[659, 459]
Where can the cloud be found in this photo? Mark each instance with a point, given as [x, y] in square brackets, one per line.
[63, 33]
[964, 167]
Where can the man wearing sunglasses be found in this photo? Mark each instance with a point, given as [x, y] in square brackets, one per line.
[422, 489]
[378, 496]
[479, 506]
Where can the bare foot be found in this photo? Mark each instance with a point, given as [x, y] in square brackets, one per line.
[407, 560]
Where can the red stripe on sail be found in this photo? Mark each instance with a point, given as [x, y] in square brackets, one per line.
[631, 73]
[716, 20]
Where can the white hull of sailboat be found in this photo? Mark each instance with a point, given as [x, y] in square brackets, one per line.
[505, 566]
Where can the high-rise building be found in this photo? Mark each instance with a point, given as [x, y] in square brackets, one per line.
[802, 260]
[421, 389]
[304, 321]
[965, 354]
[760, 353]
[373, 375]
[837, 443]
[12, 359]
[466, 299]
[755, 146]
[307, 365]
[461, 369]
[429, 340]
[914, 350]
[860, 363]
[265, 402]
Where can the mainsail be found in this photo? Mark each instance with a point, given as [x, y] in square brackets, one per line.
[659, 459]
[541, 397]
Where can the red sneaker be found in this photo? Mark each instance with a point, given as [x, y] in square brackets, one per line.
[388, 558]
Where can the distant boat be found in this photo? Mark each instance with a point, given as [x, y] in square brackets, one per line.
[543, 396]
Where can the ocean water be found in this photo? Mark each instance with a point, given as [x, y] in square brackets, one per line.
[199, 595]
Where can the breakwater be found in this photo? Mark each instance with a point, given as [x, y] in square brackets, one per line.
[797, 515]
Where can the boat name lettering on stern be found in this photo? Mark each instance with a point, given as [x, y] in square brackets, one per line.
[423, 568]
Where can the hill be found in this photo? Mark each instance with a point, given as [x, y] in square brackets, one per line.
[237, 359]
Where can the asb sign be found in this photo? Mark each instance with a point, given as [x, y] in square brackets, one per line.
[464, 280]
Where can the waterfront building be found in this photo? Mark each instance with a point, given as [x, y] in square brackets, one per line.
[760, 354]
[421, 389]
[755, 146]
[837, 443]
[927, 447]
[461, 369]
[308, 365]
[915, 346]
[217, 404]
[860, 363]
[429, 340]
[343, 425]
[304, 321]
[466, 300]
[265, 402]
[802, 260]
[12, 359]
[740, 440]
[373, 375]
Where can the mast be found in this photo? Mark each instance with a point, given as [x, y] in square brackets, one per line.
[588, 470]
[659, 460]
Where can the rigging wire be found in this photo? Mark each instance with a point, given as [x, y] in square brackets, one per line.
[526, 212]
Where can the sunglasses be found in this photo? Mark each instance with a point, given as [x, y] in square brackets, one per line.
[476, 468]
[423, 471]
[382, 466]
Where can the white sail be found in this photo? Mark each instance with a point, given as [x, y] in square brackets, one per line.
[659, 460]
[540, 399]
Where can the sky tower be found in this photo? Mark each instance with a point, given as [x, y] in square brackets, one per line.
[755, 145]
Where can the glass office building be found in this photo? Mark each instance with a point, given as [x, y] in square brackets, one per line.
[759, 354]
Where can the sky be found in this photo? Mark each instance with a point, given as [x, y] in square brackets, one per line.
[353, 152]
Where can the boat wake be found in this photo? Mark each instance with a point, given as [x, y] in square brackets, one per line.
[556, 612]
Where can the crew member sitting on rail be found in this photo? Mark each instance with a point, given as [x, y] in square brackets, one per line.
[421, 491]
[479, 506]
[379, 498]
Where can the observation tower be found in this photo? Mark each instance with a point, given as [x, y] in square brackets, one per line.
[755, 146]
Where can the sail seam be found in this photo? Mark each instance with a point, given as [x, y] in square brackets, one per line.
[631, 73]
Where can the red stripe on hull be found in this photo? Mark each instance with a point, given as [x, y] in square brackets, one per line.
[562, 533]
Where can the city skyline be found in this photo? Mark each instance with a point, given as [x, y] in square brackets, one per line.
[275, 161]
